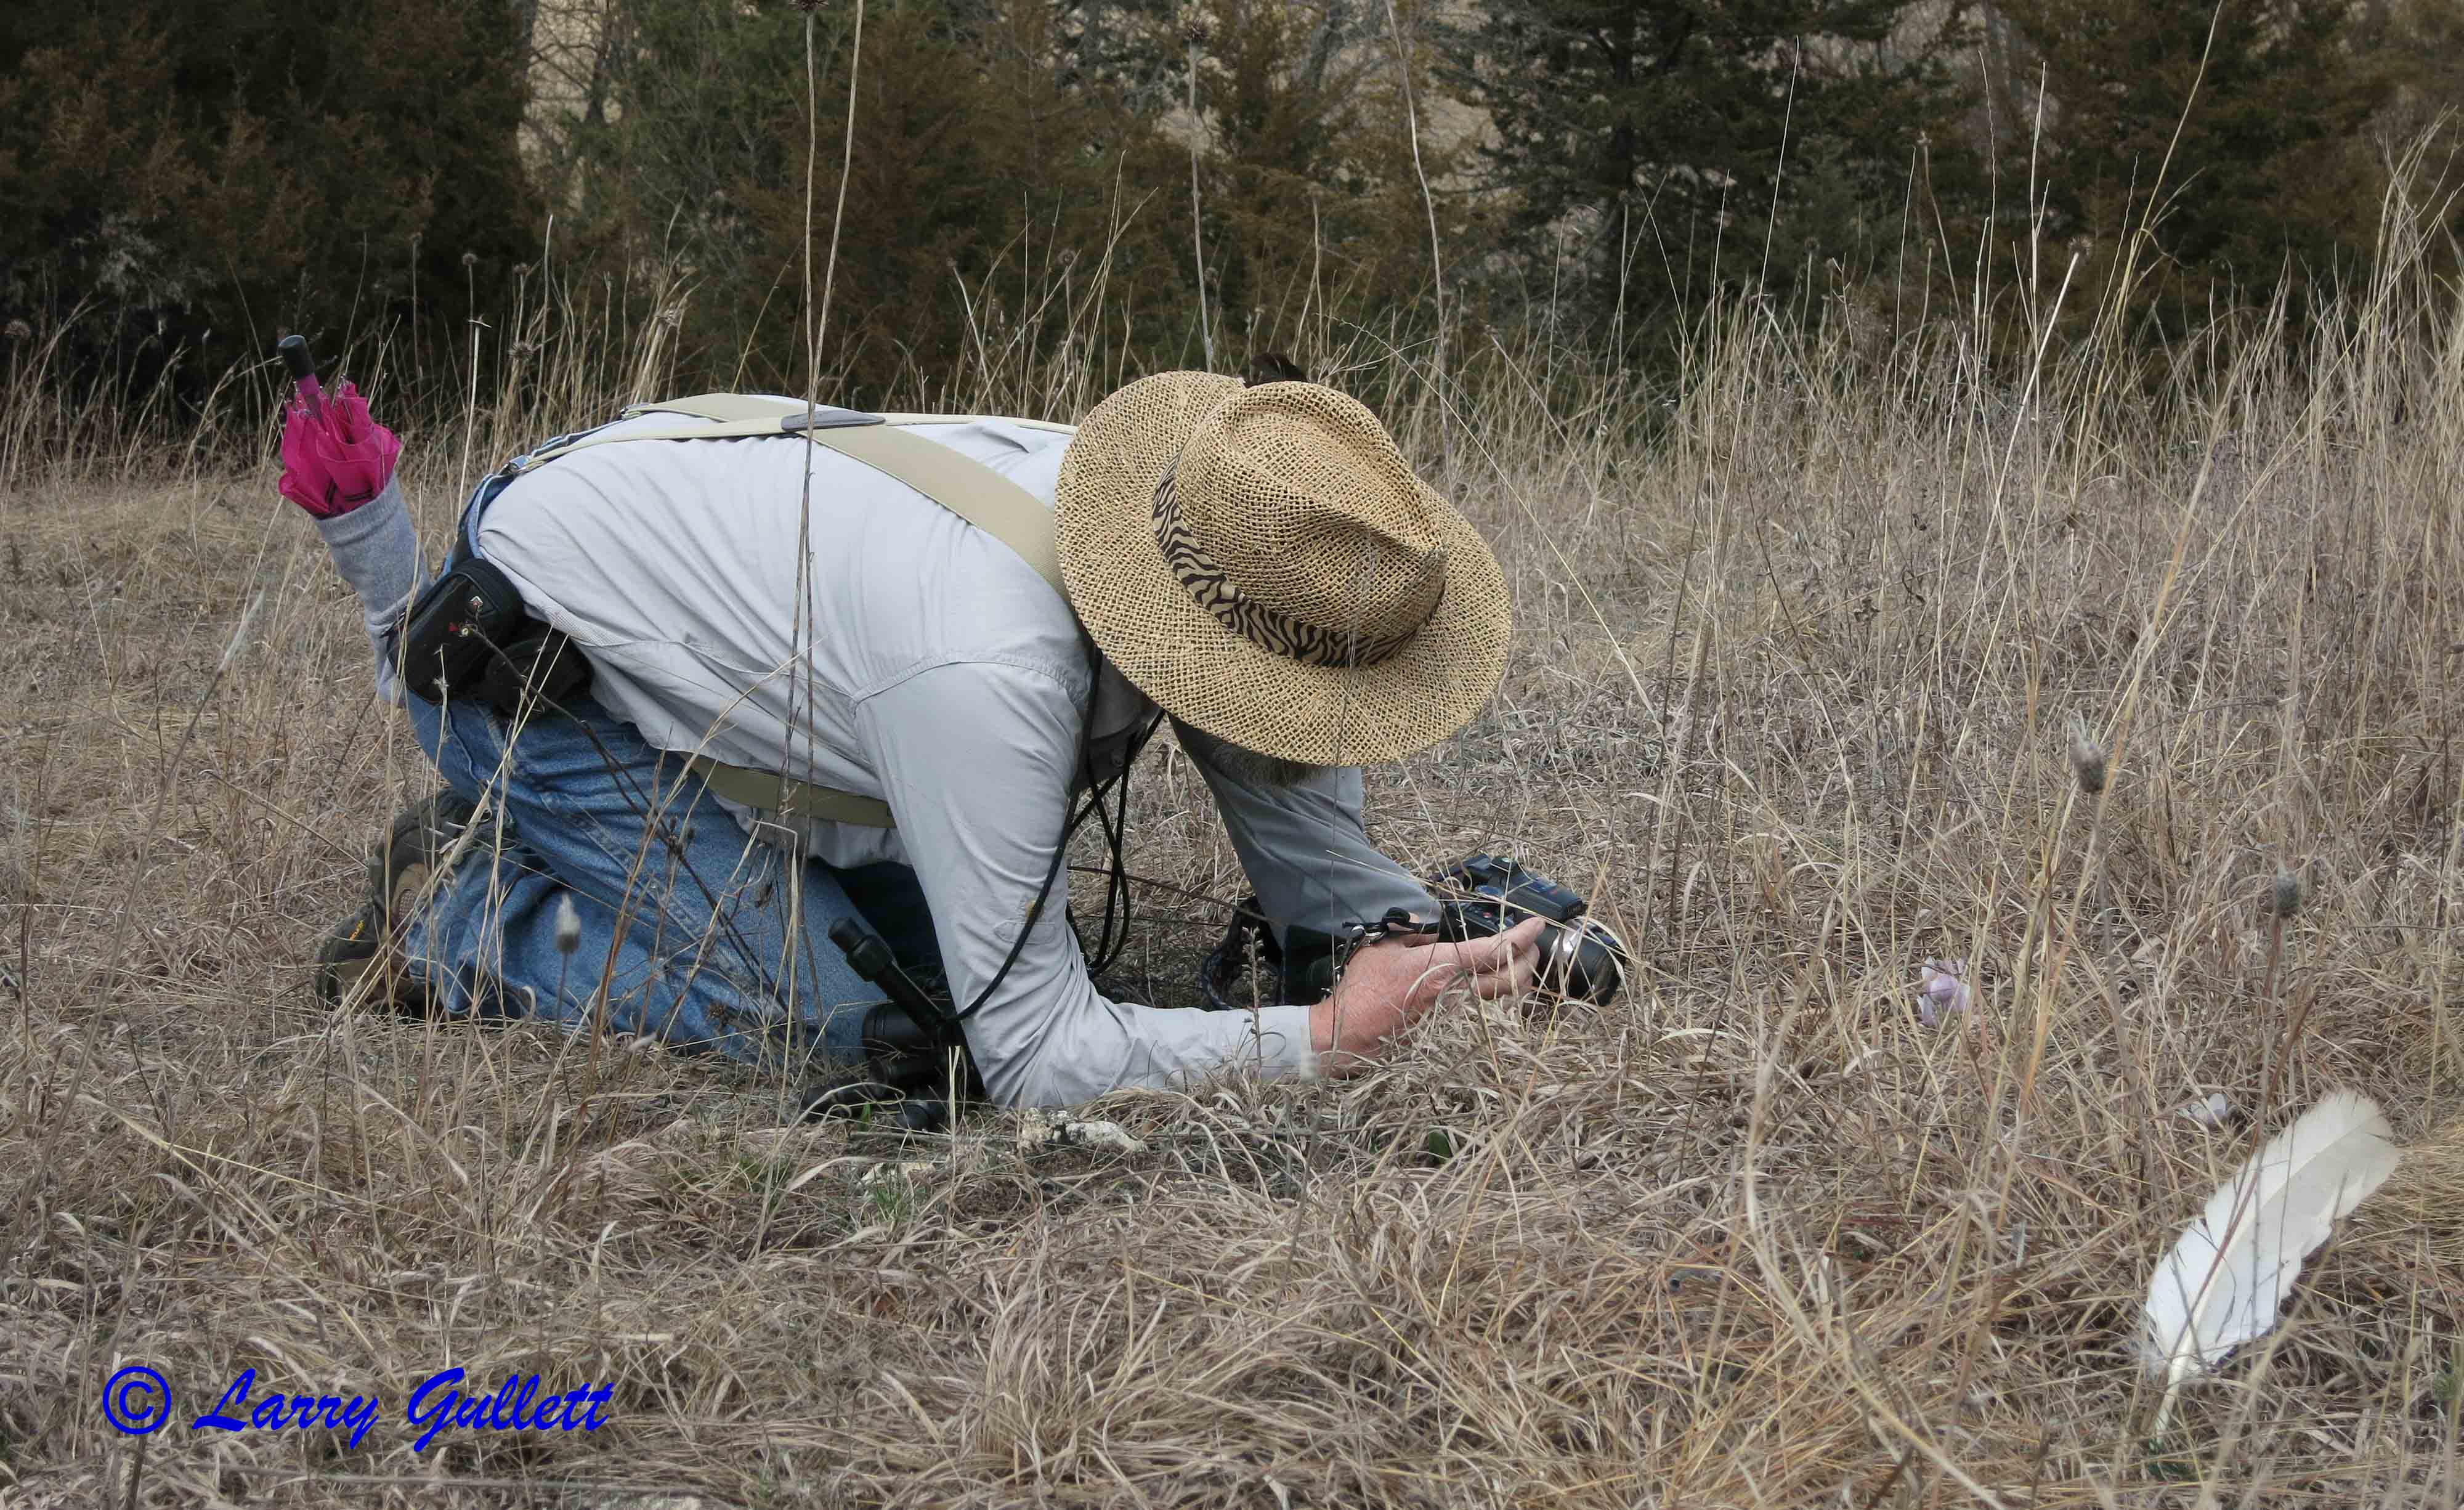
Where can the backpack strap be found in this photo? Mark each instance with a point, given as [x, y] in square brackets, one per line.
[969, 489]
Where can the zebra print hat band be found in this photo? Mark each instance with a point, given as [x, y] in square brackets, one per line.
[1264, 564]
[1267, 627]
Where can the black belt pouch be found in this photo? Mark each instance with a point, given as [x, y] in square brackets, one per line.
[469, 636]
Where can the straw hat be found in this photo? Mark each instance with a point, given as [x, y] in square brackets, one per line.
[1263, 564]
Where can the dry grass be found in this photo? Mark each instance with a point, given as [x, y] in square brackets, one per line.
[1791, 694]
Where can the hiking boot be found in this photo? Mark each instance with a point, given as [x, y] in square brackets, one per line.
[369, 942]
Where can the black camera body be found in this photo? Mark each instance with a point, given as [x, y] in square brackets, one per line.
[1579, 956]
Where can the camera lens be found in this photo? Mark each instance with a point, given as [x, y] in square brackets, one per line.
[1578, 960]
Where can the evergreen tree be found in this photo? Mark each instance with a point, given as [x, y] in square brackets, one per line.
[201, 174]
[1659, 148]
[1312, 199]
[2424, 41]
[981, 195]
[1020, 175]
[2234, 131]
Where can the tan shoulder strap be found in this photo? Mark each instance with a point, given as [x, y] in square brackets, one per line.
[974, 492]
[969, 489]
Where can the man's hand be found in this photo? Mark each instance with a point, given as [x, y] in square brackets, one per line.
[1388, 985]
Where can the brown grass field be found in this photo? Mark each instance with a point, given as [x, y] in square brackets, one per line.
[1795, 678]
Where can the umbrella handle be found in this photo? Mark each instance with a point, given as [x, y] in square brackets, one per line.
[295, 354]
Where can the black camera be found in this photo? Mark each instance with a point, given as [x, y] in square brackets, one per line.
[1578, 955]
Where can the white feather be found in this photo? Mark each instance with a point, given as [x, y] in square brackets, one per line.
[2221, 1285]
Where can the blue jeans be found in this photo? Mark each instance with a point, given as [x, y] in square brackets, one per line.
[700, 934]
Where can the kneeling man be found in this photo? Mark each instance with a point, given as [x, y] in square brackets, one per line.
[846, 666]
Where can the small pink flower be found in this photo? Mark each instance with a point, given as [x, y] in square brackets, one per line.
[1942, 989]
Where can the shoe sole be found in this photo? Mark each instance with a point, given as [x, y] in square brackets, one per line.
[355, 954]
[419, 841]
[399, 873]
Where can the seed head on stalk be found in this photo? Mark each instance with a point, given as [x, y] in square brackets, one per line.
[2282, 902]
[568, 938]
[2089, 768]
[2087, 760]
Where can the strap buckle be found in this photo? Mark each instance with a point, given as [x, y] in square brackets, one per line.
[1397, 923]
[824, 417]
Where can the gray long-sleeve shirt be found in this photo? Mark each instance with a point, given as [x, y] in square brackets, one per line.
[927, 665]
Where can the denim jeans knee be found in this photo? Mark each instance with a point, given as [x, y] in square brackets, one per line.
[687, 928]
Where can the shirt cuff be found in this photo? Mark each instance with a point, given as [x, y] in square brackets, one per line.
[1281, 1047]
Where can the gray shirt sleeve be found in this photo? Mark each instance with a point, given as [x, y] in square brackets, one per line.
[1304, 846]
[977, 757]
[374, 550]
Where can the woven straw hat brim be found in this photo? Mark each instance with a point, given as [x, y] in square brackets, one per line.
[1195, 668]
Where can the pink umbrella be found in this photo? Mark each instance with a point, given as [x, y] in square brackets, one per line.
[334, 456]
